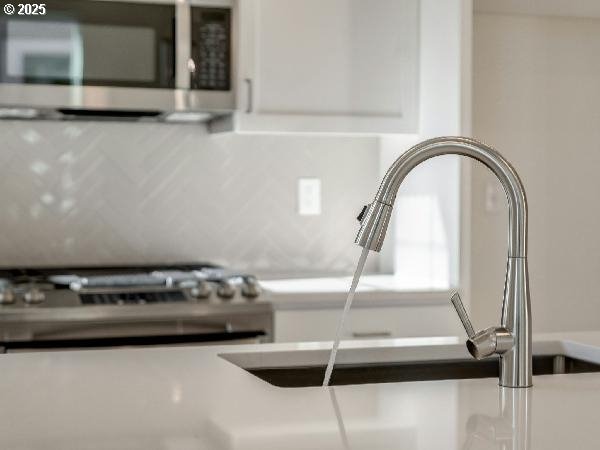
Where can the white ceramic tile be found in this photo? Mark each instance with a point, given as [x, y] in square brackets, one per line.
[98, 193]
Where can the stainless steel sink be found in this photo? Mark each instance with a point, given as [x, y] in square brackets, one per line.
[400, 360]
[395, 372]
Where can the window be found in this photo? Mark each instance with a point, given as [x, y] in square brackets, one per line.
[425, 228]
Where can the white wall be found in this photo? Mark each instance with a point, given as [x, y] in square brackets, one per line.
[536, 99]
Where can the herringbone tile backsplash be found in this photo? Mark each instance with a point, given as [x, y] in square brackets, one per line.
[100, 193]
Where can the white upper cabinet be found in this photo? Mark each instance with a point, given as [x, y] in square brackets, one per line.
[339, 66]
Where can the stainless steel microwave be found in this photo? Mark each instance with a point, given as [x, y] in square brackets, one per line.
[116, 58]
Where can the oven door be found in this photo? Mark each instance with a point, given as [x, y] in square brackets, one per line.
[52, 336]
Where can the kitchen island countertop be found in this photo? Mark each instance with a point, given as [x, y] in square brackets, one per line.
[192, 398]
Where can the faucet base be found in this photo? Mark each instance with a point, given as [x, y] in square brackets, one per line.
[516, 363]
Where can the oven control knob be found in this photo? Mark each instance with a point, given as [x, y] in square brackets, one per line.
[34, 296]
[251, 288]
[7, 296]
[226, 289]
[201, 290]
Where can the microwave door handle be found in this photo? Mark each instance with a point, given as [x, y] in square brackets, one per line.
[183, 43]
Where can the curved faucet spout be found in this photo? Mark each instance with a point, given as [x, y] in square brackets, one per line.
[515, 329]
[376, 218]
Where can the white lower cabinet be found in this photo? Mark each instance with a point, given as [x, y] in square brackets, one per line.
[366, 323]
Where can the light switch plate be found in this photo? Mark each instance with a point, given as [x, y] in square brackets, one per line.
[309, 196]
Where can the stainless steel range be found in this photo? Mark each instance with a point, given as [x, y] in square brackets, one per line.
[98, 307]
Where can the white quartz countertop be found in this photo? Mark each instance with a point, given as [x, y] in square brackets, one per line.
[331, 292]
[191, 398]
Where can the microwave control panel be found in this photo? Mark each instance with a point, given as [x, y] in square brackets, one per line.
[211, 49]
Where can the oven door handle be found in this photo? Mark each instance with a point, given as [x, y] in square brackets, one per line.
[132, 341]
[90, 330]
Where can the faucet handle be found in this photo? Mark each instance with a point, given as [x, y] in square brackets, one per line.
[462, 314]
[486, 342]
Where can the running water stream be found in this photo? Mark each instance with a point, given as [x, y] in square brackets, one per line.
[340, 329]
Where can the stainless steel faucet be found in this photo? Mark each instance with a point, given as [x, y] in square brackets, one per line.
[512, 339]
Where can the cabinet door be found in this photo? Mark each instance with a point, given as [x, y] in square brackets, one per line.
[329, 66]
[366, 323]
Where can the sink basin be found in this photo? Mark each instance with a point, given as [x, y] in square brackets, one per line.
[413, 371]
[400, 360]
